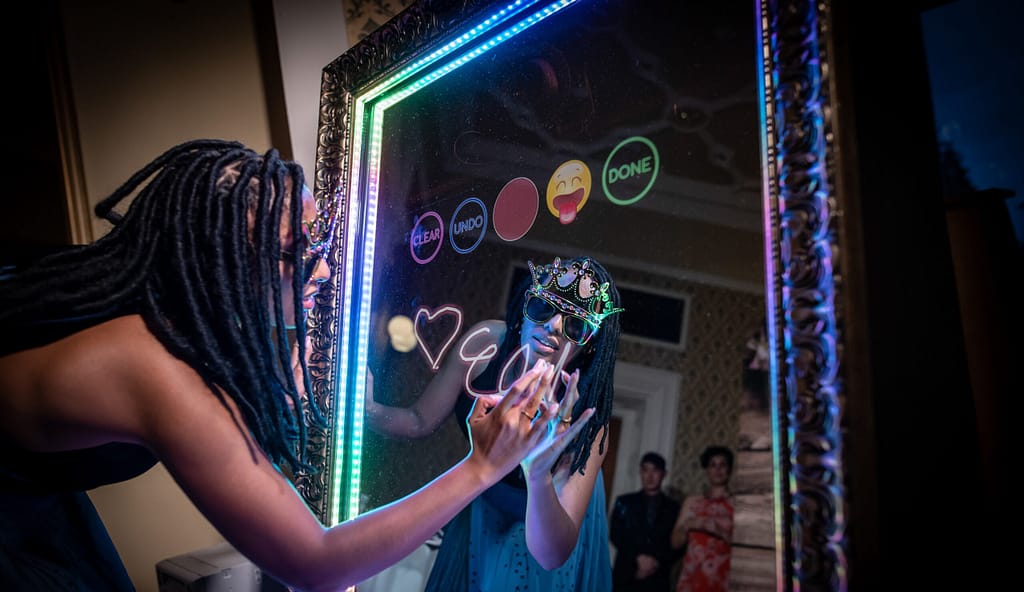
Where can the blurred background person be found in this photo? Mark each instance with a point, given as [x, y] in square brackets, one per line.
[641, 530]
[705, 526]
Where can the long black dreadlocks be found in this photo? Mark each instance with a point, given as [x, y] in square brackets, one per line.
[596, 364]
[196, 254]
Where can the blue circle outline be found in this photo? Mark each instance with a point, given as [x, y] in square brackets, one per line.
[451, 226]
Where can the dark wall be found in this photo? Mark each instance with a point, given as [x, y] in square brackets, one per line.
[919, 516]
[33, 214]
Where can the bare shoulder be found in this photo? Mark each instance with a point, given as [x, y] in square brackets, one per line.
[98, 385]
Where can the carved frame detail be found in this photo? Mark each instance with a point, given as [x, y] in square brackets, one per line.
[804, 281]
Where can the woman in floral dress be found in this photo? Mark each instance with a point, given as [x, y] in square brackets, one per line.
[705, 526]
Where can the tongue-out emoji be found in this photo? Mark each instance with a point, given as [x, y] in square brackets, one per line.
[568, 190]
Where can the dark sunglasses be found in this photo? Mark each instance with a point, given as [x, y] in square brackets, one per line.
[575, 328]
[312, 254]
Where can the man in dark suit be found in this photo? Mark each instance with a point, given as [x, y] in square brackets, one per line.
[641, 529]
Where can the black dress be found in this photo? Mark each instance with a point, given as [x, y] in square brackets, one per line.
[642, 524]
[51, 537]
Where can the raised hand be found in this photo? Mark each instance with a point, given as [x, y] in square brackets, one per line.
[560, 430]
[503, 428]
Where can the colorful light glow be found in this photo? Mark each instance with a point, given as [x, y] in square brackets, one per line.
[780, 299]
[766, 115]
[336, 493]
[376, 100]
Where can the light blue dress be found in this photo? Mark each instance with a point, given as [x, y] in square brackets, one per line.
[484, 549]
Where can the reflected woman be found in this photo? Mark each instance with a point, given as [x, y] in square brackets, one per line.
[543, 527]
[705, 526]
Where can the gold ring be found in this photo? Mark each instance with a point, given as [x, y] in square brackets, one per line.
[532, 417]
[564, 420]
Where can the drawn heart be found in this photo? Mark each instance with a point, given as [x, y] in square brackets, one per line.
[430, 316]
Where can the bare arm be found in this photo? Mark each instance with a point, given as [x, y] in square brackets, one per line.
[259, 512]
[555, 511]
[116, 383]
[438, 399]
[556, 503]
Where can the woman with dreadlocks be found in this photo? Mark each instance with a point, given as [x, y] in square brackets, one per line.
[543, 527]
[165, 341]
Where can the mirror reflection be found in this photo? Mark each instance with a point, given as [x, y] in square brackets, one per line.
[615, 149]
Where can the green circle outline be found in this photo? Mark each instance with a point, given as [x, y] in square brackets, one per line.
[604, 171]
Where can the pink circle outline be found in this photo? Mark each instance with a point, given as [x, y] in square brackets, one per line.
[440, 240]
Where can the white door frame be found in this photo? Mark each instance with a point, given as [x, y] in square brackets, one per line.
[647, 403]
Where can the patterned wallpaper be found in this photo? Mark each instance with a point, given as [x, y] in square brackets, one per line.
[720, 322]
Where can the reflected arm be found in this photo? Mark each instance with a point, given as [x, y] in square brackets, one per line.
[555, 507]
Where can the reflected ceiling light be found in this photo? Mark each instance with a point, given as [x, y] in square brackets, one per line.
[400, 330]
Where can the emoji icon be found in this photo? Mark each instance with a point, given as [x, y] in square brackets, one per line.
[568, 190]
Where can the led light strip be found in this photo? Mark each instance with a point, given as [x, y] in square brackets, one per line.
[376, 128]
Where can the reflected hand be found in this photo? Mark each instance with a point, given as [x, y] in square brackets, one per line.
[505, 428]
[560, 432]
